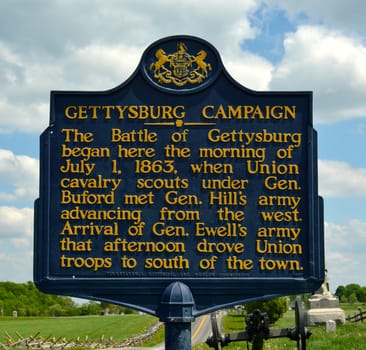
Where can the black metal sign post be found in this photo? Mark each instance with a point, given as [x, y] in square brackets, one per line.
[176, 310]
[180, 191]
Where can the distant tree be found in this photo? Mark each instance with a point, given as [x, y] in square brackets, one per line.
[362, 297]
[352, 298]
[351, 293]
[127, 311]
[116, 309]
[56, 310]
[27, 300]
[275, 308]
[341, 292]
[353, 288]
[343, 299]
[91, 308]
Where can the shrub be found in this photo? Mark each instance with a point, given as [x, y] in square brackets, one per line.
[275, 308]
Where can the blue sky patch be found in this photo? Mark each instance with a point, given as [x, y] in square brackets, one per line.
[272, 25]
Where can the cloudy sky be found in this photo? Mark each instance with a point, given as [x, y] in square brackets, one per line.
[265, 45]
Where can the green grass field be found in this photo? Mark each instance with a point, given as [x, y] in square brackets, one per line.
[350, 336]
[118, 327]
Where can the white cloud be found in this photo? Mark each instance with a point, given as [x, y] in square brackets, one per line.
[339, 179]
[100, 45]
[345, 252]
[135, 22]
[331, 65]
[16, 233]
[103, 66]
[20, 117]
[348, 15]
[16, 225]
[16, 267]
[249, 70]
[21, 173]
[20, 243]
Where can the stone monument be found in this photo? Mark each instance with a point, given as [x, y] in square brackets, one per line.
[322, 307]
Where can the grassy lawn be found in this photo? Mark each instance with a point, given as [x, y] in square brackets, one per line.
[95, 327]
[351, 336]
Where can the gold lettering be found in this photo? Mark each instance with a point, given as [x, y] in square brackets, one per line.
[272, 183]
[123, 245]
[265, 247]
[178, 262]
[161, 229]
[89, 263]
[270, 265]
[85, 152]
[246, 112]
[172, 197]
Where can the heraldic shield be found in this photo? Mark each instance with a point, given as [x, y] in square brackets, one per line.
[182, 65]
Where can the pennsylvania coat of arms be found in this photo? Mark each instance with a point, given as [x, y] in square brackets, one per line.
[180, 68]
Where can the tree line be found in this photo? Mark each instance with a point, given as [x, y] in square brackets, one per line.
[351, 293]
[25, 299]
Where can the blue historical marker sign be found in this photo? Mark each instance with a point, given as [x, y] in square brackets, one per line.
[179, 174]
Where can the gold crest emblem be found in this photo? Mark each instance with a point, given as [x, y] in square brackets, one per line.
[180, 68]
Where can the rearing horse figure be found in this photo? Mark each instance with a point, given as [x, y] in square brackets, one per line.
[162, 58]
[199, 59]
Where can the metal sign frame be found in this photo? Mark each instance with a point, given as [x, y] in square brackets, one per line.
[180, 101]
